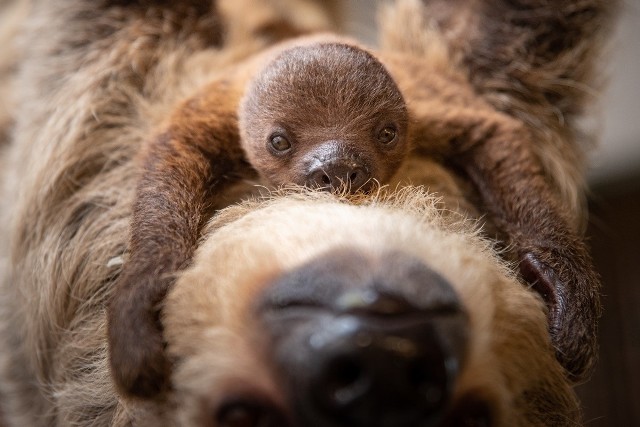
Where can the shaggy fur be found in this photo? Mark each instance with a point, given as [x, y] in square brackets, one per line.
[326, 97]
[493, 90]
[507, 320]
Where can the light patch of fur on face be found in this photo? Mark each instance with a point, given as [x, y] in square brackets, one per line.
[209, 319]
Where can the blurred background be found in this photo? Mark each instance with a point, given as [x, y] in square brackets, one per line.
[610, 398]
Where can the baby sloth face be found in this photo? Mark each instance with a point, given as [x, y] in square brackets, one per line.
[325, 115]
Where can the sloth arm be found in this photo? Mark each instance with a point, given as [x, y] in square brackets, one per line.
[495, 153]
[516, 191]
[185, 170]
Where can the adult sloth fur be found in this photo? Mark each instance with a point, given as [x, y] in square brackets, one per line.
[493, 93]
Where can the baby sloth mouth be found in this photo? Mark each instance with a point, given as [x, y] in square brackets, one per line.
[360, 341]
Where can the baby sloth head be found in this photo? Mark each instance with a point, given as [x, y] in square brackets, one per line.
[324, 115]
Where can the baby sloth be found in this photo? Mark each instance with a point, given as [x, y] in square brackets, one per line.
[324, 115]
[317, 114]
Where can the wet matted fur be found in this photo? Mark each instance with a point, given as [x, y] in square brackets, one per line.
[493, 89]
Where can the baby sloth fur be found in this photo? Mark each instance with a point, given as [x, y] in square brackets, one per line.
[323, 115]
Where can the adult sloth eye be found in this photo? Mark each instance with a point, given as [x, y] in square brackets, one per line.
[249, 414]
[387, 135]
[279, 143]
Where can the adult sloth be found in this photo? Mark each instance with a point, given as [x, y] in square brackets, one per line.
[484, 95]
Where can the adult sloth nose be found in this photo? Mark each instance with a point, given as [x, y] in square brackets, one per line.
[367, 371]
[366, 357]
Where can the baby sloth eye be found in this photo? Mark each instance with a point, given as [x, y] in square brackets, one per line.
[279, 143]
[387, 135]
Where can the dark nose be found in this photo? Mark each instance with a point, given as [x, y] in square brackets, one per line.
[338, 174]
[366, 342]
[379, 370]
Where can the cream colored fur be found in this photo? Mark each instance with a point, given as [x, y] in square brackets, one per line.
[208, 313]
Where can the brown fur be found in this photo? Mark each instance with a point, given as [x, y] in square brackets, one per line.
[98, 79]
[329, 99]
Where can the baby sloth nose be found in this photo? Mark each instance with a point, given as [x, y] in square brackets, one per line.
[370, 358]
[338, 174]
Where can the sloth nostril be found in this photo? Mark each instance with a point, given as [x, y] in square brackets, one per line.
[420, 378]
[345, 372]
[345, 381]
[338, 175]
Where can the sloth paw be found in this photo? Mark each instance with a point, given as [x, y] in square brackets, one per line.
[138, 361]
[569, 287]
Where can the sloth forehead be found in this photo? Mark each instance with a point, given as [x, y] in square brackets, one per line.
[304, 224]
[333, 74]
